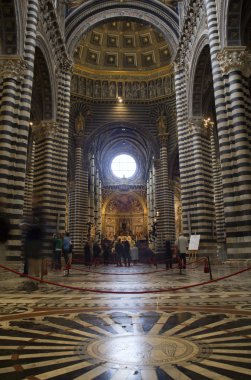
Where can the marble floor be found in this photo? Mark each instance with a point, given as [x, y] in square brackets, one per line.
[127, 324]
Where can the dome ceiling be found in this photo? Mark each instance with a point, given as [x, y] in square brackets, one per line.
[123, 45]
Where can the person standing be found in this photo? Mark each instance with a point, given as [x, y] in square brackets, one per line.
[96, 253]
[33, 245]
[134, 252]
[58, 244]
[169, 254]
[106, 247]
[67, 251]
[181, 246]
[87, 254]
[4, 232]
[127, 256]
[119, 251]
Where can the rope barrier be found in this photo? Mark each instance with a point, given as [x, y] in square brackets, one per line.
[125, 292]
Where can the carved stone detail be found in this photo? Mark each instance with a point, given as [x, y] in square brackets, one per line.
[195, 124]
[234, 58]
[44, 130]
[163, 139]
[12, 67]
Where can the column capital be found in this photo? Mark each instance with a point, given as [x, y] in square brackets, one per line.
[163, 138]
[12, 67]
[179, 63]
[197, 125]
[65, 65]
[234, 58]
[45, 129]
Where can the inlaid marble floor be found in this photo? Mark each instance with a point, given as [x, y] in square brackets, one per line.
[198, 333]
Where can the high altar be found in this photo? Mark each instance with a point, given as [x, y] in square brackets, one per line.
[125, 216]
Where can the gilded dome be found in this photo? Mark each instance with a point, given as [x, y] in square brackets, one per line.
[123, 45]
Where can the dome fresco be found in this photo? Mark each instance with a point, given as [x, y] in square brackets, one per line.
[123, 45]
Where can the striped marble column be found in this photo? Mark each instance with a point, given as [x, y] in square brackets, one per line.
[164, 198]
[97, 204]
[236, 68]
[46, 177]
[29, 178]
[13, 147]
[79, 226]
[148, 203]
[184, 143]
[151, 201]
[223, 117]
[92, 192]
[63, 73]
[202, 211]
[218, 188]
[70, 205]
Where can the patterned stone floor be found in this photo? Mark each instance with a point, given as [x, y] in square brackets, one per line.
[127, 324]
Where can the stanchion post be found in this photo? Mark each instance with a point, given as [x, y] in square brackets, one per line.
[209, 265]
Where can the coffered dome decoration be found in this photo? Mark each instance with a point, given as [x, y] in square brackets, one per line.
[123, 45]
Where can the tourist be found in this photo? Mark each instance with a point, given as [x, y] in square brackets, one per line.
[181, 245]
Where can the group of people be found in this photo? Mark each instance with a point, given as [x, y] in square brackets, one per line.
[121, 253]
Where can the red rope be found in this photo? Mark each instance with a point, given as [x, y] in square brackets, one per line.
[127, 292]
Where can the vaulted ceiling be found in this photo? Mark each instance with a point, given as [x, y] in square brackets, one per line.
[123, 45]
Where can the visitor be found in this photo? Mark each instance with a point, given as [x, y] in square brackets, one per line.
[87, 253]
[33, 247]
[168, 254]
[119, 252]
[150, 256]
[96, 254]
[4, 231]
[181, 245]
[67, 252]
[134, 251]
[57, 251]
[106, 247]
[126, 253]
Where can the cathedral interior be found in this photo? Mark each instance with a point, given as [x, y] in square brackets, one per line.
[127, 120]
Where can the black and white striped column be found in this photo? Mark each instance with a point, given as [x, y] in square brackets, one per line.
[235, 68]
[164, 198]
[202, 210]
[79, 224]
[184, 143]
[13, 148]
[47, 177]
[63, 72]
[218, 188]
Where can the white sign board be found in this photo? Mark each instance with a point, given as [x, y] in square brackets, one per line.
[194, 243]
